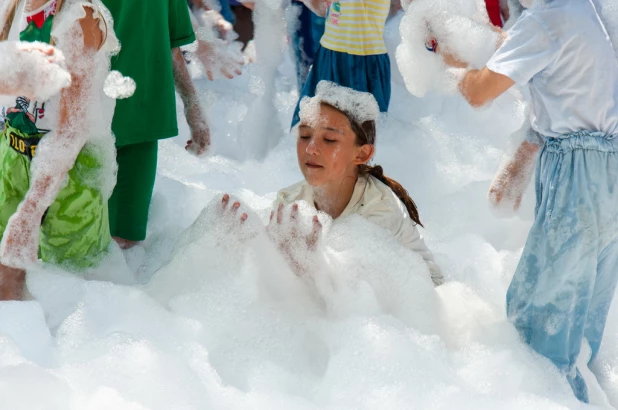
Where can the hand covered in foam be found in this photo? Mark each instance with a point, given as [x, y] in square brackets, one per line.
[233, 219]
[20, 243]
[220, 58]
[214, 19]
[511, 181]
[199, 143]
[35, 70]
[297, 243]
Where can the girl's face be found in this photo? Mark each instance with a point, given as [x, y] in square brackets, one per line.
[327, 150]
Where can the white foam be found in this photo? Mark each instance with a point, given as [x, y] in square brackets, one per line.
[461, 28]
[32, 72]
[359, 105]
[226, 324]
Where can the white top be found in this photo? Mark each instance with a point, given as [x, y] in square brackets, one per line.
[377, 203]
[562, 50]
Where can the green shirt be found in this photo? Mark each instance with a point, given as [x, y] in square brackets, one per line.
[148, 30]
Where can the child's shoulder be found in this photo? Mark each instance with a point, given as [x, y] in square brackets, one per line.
[379, 200]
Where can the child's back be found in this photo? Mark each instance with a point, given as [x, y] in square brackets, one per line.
[356, 27]
[577, 87]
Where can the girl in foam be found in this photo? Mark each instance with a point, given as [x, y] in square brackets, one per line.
[57, 156]
[336, 141]
[32, 69]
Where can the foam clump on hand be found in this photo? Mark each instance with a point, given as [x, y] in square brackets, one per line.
[359, 105]
[460, 27]
[35, 69]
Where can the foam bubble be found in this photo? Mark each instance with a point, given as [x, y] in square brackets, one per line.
[359, 105]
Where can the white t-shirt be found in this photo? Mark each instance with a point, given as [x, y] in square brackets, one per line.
[377, 203]
[561, 49]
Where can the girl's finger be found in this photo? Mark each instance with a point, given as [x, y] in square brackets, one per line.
[294, 213]
[225, 201]
[243, 218]
[280, 214]
[312, 241]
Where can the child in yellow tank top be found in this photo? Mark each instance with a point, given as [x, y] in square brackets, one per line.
[352, 51]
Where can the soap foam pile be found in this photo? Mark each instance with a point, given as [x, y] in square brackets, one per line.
[216, 319]
[460, 28]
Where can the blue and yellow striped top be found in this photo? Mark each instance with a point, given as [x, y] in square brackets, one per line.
[356, 26]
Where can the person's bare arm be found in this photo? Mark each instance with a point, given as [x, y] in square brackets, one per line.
[511, 180]
[200, 131]
[57, 154]
[482, 86]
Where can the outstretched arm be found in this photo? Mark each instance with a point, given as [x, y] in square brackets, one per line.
[57, 153]
[511, 181]
[482, 86]
[200, 131]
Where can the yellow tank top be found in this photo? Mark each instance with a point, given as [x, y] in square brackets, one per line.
[356, 27]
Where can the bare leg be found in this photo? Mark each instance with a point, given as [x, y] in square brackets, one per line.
[12, 282]
[125, 243]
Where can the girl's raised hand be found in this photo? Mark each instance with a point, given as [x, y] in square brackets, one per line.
[286, 232]
[230, 212]
[20, 244]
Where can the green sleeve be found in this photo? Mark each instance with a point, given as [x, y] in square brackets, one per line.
[181, 30]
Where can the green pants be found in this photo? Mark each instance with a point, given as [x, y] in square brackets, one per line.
[75, 231]
[130, 201]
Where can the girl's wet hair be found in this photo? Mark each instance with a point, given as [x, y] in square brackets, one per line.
[366, 134]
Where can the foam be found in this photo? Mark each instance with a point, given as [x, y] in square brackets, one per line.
[225, 323]
[461, 28]
[360, 106]
[35, 74]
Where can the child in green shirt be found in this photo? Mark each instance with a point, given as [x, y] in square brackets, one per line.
[151, 33]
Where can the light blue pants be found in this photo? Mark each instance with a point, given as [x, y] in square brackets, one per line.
[566, 278]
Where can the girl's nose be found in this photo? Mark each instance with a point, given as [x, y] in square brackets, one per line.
[311, 147]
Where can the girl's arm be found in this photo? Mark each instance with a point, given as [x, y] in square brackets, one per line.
[58, 151]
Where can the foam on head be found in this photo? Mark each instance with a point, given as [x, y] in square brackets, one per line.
[361, 106]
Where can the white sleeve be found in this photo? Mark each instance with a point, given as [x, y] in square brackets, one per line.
[527, 50]
[412, 239]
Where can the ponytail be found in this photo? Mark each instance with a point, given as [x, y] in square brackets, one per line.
[378, 173]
